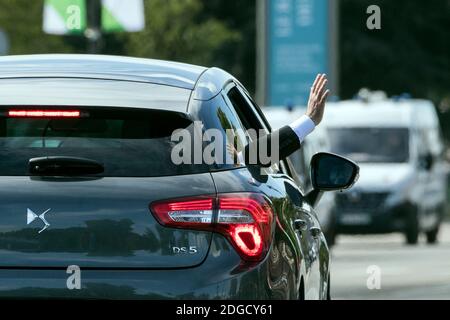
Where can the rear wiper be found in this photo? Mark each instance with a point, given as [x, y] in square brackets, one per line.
[64, 166]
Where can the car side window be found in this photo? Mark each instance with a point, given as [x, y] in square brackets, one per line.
[257, 110]
[243, 109]
[221, 127]
[231, 124]
[423, 145]
[299, 169]
[248, 116]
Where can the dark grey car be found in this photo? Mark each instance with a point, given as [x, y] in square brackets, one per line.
[87, 179]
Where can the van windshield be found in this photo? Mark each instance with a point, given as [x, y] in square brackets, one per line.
[371, 144]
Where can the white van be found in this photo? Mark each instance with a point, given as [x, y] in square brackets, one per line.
[403, 177]
[316, 142]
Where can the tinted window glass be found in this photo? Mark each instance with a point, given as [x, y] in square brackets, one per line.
[235, 133]
[248, 117]
[243, 110]
[217, 116]
[128, 142]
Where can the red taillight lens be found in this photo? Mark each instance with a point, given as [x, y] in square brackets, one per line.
[194, 213]
[44, 113]
[244, 219]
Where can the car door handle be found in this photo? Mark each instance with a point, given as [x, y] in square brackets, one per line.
[300, 225]
[315, 232]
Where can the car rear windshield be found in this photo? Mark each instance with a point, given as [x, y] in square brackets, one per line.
[127, 142]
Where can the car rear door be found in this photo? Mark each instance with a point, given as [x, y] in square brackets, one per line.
[310, 235]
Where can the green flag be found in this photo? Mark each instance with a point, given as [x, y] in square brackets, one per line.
[65, 16]
[119, 15]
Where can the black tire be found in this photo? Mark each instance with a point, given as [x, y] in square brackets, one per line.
[329, 289]
[330, 236]
[432, 235]
[331, 233]
[412, 228]
[302, 290]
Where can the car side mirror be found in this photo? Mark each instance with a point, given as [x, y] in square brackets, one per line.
[426, 161]
[330, 172]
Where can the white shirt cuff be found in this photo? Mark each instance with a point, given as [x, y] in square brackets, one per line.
[302, 127]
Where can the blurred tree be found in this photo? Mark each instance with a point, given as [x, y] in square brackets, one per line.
[216, 32]
[22, 20]
[239, 57]
[411, 52]
[174, 31]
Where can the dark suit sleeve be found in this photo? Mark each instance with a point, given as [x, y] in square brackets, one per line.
[288, 144]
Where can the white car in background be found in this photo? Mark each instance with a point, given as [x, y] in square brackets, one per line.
[403, 178]
[316, 142]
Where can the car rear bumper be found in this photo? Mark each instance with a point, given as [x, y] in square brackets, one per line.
[220, 276]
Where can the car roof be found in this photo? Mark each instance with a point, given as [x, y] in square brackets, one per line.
[101, 67]
[101, 80]
[383, 113]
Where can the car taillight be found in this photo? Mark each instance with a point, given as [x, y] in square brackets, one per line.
[196, 213]
[245, 219]
[44, 113]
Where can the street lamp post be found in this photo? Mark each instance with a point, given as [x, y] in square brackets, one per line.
[93, 31]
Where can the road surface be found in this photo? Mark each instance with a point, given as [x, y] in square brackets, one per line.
[400, 271]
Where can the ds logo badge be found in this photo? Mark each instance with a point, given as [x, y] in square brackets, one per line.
[31, 216]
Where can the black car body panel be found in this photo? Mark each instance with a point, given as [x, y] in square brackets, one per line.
[221, 276]
[96, 223]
